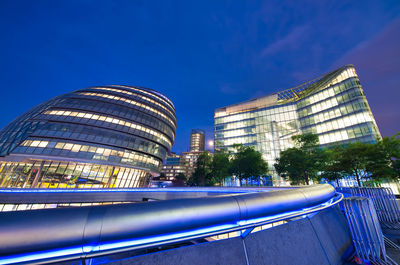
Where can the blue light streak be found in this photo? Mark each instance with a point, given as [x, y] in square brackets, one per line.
[41, 255]
[228, 190]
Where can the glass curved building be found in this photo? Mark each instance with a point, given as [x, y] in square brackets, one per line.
[333, 106]
[97, 137]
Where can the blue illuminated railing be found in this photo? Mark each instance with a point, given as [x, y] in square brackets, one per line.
[62, 196]
[52, 235]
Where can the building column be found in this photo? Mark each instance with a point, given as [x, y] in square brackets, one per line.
[36, 180]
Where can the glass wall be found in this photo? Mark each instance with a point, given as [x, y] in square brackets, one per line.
[98, 137]
[56, 174]
[332, 106]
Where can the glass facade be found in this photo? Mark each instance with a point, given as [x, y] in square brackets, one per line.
[174, 165]
[333, 106]
[98, 137]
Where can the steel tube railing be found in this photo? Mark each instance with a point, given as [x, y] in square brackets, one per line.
[87, 229]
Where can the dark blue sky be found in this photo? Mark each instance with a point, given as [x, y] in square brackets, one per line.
[201, 54]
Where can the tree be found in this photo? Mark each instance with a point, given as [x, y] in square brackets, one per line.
[202, 174]
[375, 161]
[291, 165]
[220, 166]
[302, 162]
[354, 159]
[332, 169]
[162, 176]
[179, 180]
[181, 177]
[247, 163]
[383, 159]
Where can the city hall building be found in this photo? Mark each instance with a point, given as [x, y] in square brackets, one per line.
[98, 137]
[333, 106]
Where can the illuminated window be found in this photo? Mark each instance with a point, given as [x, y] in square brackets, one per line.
[126, 124]
[132, 102]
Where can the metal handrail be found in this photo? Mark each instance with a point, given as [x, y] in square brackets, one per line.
[54, 196]
[71, 233]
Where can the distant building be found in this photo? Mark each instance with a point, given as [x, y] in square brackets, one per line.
[191, 158]
[174, 165]
[196, 148]
[333, 106]
[197, 140]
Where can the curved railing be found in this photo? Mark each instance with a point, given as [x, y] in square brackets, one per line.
[50, 235]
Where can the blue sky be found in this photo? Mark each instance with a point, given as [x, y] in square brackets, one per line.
[201, 54]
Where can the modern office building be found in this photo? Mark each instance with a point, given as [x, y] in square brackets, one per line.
[197, 140]
[98, 137]
[196, 148]
[333, 106]
[175, 164]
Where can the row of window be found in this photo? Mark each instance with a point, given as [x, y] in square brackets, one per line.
[237, 140]
[270, 111]
[346, 74]
[137, 95]
[266, 126]
[328, 92]
[235, 125]
[98, 153]
[235, 133]
[345, 134]
[335, 112]
[120, 111]
[69, 175]
[155, 94]
[288, 112]
[131, 102]
[258, 118]
[279, 129]
[331, 102]
[92, 116]
[342, 122]
[100, 136]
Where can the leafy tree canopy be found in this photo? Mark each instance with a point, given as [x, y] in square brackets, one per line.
[220, 166]
[302, 162]
[247, 163]
[202, 174]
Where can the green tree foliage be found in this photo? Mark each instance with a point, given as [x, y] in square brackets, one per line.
[353, 159]
[301, 163]
[247, 163]
[202, 175]
[332, 169]
[220, 166]
[365, 161]
[180, 177]
[376, 162]
[179, 180]
[383, 160]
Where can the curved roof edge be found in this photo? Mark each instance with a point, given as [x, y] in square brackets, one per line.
[273, 99]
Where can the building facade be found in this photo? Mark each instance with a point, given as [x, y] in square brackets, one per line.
[175, 164]
[191, 160]
[333, 106]
[98, 137]
[197, 140]
[196, 148]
